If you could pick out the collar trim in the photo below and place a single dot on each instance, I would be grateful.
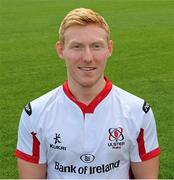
(93, 104)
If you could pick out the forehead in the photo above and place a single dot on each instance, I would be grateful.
(85, 33)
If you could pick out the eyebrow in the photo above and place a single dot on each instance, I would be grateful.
(79, 42)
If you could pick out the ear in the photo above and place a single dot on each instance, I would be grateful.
(59, 49)
(110, 47)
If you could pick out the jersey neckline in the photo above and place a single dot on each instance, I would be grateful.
(93, 104)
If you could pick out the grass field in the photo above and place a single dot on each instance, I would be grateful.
(142, 62)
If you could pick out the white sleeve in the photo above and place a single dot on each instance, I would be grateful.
(30, 146)
(146, 146)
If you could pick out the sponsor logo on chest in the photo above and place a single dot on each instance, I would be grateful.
(87, 158)
(102, 168)
(116, 138)
(57, 143)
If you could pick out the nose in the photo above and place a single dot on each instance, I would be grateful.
(87, 55)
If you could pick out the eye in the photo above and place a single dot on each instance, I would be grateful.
(76, 46)
(97, 46)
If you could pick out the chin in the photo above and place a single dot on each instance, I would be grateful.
(87, 83)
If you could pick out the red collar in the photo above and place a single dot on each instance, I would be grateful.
(93, 104)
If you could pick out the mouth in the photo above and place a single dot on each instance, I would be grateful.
(87, 68)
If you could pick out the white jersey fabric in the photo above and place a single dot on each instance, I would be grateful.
(94, 141)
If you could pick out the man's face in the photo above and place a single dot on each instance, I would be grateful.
(85, 52)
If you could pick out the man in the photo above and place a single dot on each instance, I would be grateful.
(88, 127)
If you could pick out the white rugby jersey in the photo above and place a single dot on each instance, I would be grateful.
(94, 141)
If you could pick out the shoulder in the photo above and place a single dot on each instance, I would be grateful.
(36, 107)
(136, 112)
(131, 102)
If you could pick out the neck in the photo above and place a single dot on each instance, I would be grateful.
(86, 94)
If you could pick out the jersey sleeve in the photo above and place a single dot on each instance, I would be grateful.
(146, 146)
(30, 146)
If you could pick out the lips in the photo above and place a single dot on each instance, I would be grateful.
(87, 68)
